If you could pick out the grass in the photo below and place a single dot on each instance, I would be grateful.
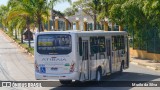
(29, 49)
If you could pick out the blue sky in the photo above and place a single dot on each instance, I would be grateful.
(60, 6)
(4, 2)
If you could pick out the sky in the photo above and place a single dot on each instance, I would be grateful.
(60, 6)
(4, 2)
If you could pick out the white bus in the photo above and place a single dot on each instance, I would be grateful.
(80, 55)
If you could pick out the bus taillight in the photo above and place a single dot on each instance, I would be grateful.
(36, 67)
(72, 67)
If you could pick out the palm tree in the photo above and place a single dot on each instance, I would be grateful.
(20, 10)
(3, 14)
(51, 5)
(31, 10)
(90, 8)
(21, 26)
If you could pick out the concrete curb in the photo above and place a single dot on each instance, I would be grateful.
(30, 54)
(147, 66)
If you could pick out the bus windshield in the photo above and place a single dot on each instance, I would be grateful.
(54, 44)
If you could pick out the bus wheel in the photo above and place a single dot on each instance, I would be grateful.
(65, 81)
(121, 68)
(77, 82)
(98, 75)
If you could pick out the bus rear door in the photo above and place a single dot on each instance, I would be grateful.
(85, 59)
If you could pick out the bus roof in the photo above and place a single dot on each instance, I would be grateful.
(83, 32)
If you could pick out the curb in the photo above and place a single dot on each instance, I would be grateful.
(18, 44)
(147, 66)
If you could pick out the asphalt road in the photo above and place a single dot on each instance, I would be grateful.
(17, 65)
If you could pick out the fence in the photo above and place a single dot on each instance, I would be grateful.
(147, 39)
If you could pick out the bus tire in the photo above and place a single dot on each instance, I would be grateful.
(65, 82)
(121, 68)
(98, 75)
(78, 82)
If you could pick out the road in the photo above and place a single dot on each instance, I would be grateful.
(17, 65)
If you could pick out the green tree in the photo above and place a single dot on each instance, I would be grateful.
(31, 10)
(21, 10)
(3, 14)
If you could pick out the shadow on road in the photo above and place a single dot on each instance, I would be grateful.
(115, 80)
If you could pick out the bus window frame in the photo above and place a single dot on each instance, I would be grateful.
(80, 46)
(53, 53)
(94, 44)
(99, 45)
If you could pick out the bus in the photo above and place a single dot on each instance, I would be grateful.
(80, 55)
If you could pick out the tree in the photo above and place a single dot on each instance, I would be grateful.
(70, 11)
(51, 5)
(116, 13)
(152, 9)
(88, 7)
(34, 11)
(3, 14)
(21, 10)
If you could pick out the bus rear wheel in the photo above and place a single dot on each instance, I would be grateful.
(65, 82)
(98, 75)
(121, 68)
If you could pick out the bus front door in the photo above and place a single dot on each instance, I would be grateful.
(85, 59)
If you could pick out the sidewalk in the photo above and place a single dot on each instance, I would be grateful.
(25, 50)
(146, 63)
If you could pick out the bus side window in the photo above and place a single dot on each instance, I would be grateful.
(108, 47)
(101, 44)
(94, 45)
(116, 44)
(122, 42)
(80, 46)
(122, 45)
(113, 43)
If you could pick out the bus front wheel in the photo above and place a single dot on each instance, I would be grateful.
(65, 82)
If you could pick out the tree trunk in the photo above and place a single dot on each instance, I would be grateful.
(28, 30)
(39, 24)
(112, 27)
(11, 31)
(49, 25)
(42, 26)
(15, 33)
(95, 19)
(22, 35)
(2, 26)
(22, 30)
